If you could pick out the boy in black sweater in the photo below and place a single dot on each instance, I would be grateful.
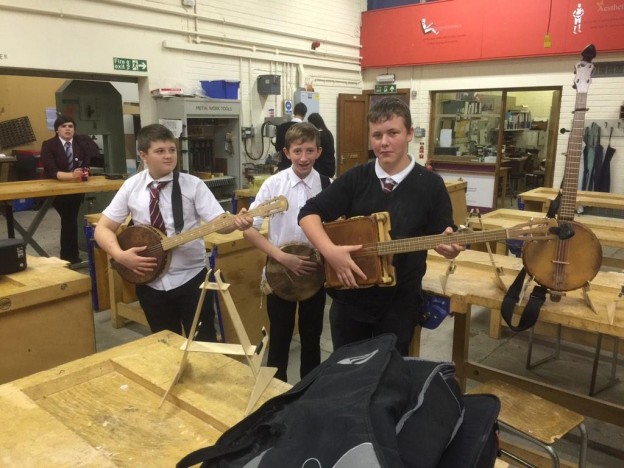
(419, 205)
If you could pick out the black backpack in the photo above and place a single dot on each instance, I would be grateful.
(365, 406)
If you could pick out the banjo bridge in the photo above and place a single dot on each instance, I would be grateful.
(560, 262)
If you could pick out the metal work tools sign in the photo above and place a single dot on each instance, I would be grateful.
(129, 64)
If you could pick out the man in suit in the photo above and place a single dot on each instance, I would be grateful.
(299, 113)
(67, 157)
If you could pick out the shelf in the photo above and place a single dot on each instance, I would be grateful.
(471, 116)
(219, 181)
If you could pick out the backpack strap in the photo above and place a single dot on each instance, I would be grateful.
(537, 298)
(531, 310)
(176, 204)
(325, 181)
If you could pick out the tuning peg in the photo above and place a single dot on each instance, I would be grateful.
(564, 130)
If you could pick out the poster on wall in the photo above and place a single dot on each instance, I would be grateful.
(479, 189)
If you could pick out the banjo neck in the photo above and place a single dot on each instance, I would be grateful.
(569, 185)
(539, 230)
(272, 206)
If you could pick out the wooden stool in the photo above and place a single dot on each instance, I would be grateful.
(535, 419)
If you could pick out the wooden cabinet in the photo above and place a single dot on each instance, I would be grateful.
(45, 318)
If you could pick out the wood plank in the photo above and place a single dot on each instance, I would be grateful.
(530, 414)
(51, 188)
(473, 279)
(102, 410)
(539, 199)
(607, 230)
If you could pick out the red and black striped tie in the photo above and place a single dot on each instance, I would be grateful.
(155, 215)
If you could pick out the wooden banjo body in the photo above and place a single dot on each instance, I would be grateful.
(138, 235)
(285, 284)
(159, 245)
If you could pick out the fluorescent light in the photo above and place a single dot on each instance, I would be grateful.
(385, 78)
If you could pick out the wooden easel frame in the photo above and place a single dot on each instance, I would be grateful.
(253, 354)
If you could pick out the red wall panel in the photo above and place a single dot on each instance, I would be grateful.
(471, 30)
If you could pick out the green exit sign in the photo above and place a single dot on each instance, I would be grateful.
(385, 89)
(129, 64)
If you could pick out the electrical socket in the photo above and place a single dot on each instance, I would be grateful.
(247, 132)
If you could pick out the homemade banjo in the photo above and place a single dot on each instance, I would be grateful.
(572, 259)
(159, 245)
(374, 258)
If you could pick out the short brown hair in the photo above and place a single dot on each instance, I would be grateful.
(151, 133)
(389, 107)
(302, 132)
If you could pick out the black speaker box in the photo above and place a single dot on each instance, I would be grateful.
(12, 256)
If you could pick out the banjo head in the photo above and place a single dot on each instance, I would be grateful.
(288, 286)
(139, 235)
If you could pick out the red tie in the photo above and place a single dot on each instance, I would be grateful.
(155, 216)
(388, 184)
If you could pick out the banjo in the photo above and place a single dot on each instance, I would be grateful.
(374, 258)
(159, 245)
(572, 259)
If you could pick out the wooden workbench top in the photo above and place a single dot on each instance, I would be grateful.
(51, 187)
(607, 230)
(583, 198)
(473, 283)
(102, 410)
(45, 279)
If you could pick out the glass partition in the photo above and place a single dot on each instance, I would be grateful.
(466, 123)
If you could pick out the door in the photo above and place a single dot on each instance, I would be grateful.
(352, 145)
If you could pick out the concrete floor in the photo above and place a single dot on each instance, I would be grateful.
(571, 371)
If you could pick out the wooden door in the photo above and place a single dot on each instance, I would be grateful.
(352, 145)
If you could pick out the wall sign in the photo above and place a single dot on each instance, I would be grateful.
(129, 64)
(385, 89)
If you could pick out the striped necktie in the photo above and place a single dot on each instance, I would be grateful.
(70, 155)
(156, 218)
(388, 184)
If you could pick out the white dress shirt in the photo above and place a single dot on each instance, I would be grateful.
(198, 203)
(283, 227)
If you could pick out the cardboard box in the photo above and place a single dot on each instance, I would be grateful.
(166, 92)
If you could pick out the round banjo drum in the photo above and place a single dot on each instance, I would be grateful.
(288, 286)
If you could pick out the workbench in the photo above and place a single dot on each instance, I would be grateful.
(48, 189)
(539, 199)
(607, 230)
(45, 318)
(102, 410)
(472, 284)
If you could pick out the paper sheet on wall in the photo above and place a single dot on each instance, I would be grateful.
(174, 125)
(446, 137)
(51, 116)
(479, 190)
